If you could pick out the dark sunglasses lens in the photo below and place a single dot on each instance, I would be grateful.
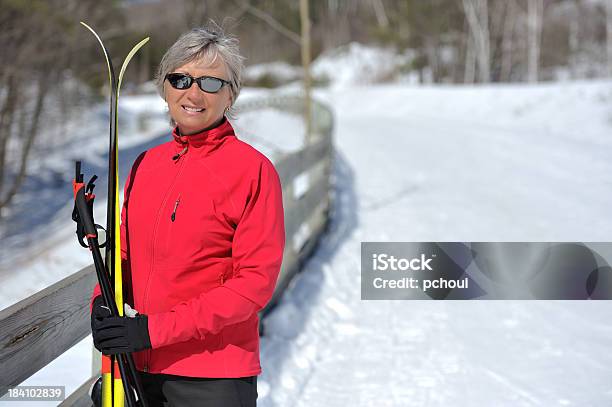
(179, 81)
(210, 85)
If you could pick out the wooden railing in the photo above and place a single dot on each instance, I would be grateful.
(40, 328)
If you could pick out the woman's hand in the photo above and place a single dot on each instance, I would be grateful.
(98, 311)
(114, 335)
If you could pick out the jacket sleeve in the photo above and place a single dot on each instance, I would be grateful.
(257, 253)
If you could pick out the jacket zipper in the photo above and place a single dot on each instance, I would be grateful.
(176, 177)
(179, 155)
(176, 204)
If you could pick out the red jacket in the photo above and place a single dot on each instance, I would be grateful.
(202, 239)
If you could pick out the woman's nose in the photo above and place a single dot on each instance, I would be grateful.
(195, 92)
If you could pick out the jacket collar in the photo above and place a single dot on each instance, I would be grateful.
(204, 142)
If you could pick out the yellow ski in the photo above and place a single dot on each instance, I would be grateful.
(116, 369)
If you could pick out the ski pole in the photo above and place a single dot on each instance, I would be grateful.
(127, 368)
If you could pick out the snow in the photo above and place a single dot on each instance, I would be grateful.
(279, 72)
(356, 64)
(492, 163)
(435, 163)
(451, 164)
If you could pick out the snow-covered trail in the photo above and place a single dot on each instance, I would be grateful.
(444, 171)
(405, 173)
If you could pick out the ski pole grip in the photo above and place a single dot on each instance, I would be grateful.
(80, 203)
(84, 214)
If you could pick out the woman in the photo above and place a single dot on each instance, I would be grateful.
(202, 239)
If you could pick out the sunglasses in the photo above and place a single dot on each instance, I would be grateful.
(208, 84)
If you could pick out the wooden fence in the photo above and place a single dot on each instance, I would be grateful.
(40, 328)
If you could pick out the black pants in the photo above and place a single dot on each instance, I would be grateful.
(180, 391)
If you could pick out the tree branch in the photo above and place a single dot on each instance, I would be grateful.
(272, 22)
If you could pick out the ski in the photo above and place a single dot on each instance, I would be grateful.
(109, 272)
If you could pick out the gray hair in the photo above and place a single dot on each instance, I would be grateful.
(204, 43)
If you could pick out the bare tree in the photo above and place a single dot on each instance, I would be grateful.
(21, 55)
(573, 40)
(477, 15)
(469, 72)
(270, 21)
(508, 40)
(381, 14)
(535, 9)
(36, 42)
(609, 35)
(306, 55)
(27, 128)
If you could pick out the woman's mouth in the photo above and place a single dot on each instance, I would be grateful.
(192, 109)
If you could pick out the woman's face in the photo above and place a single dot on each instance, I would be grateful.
(192, 109)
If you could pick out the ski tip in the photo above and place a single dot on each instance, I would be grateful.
(129, 56)
(143, 42)
(90, 29)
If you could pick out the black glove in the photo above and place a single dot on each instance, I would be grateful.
(114, 335)
(98, 311)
